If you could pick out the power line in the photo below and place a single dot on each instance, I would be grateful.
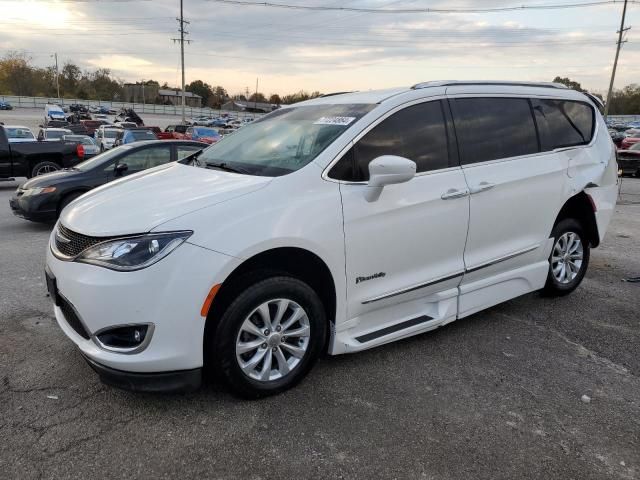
(288, 6)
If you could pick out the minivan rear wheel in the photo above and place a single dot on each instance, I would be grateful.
(569, 258)
(269, 337)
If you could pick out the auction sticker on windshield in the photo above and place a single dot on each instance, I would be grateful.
(334, 121)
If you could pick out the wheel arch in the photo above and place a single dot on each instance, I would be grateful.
(581, 208)
(294, 261)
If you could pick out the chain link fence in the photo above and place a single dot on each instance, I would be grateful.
(140, 108)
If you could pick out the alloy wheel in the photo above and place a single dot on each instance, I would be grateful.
(567, 258)
(273, 340)
(46, 169)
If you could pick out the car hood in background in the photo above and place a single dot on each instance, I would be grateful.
(48, 179)
(141, 202)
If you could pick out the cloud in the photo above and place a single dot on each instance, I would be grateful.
(326, 51)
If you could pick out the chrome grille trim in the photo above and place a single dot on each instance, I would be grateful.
(67, 244)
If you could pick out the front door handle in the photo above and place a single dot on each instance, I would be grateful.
(482, 187)
(453, 193)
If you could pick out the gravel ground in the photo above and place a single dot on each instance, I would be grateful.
(494, 396)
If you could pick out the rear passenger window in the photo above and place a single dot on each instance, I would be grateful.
(418, 133)
(494, 128)
(563, 123)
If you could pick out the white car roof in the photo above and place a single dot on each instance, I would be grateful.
(16, 126)
(426, 89)
(56, 129)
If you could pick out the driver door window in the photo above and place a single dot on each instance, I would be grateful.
(146, 158)
(418, 132)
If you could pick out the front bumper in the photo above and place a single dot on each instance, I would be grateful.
(33, 208)
(168, 294)
(167, 382)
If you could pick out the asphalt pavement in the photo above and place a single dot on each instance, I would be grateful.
(535, 388)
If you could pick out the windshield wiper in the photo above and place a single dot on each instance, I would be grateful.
(226, 167)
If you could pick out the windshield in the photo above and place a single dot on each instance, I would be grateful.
(142, 135)
(110, 133)
(101, 159)
(55, 134)
(206, 132)
(285, 140)
(83, 139)
(635, 146)
(18, 132)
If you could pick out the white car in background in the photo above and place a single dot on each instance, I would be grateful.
(19, 133)
(53, 112)
(53, 134)
(105, 136)
(333, 225)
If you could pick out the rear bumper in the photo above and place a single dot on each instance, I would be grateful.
(179, 381)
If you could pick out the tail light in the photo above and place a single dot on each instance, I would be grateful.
(80, 150)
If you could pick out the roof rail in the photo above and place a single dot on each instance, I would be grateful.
(333, 94)
(452, 83)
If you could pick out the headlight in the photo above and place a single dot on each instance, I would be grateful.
(37, 191)
(133, 253)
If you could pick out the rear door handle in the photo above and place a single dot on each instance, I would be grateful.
(453, 193)
(482, 187)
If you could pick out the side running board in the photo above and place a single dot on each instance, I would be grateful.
(394, 328)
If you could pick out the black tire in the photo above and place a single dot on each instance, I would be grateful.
(554, 287)
(222, 347)
(67, 199)
(44, 167)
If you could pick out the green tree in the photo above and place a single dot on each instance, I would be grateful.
(257, 97)
(70, 77)
(275, 99)
(200, 88)
(218, 98)
(569, 83)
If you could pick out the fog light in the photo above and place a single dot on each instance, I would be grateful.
(125, 338)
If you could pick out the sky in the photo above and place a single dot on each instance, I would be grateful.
(289, 50)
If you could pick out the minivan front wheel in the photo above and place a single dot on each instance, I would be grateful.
(569, 258)
(269, 337)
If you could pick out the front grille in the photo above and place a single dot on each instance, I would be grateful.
(72, 318)
(76, 241)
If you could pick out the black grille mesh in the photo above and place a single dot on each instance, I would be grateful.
(72, 318)
(77, 242)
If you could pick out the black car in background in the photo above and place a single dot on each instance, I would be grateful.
(42, 199)
(29, 159)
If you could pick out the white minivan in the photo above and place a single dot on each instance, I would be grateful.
(333, 225)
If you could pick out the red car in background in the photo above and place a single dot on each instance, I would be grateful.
(177, 132)
(631, 138)
(203, 134)
(160, 134)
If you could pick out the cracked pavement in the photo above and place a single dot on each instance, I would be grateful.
(493, 396)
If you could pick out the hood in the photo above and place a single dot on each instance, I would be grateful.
(143, 201)
(48, 179)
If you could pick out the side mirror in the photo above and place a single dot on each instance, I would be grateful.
(120, 169)
(388, 170)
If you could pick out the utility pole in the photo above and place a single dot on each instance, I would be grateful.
(615, 62)
(57, 75)
(143, 95)
(255, 99)
(182, 21)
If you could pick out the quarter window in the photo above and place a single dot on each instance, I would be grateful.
(418, 133)
(494, 128)
(563, 123)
